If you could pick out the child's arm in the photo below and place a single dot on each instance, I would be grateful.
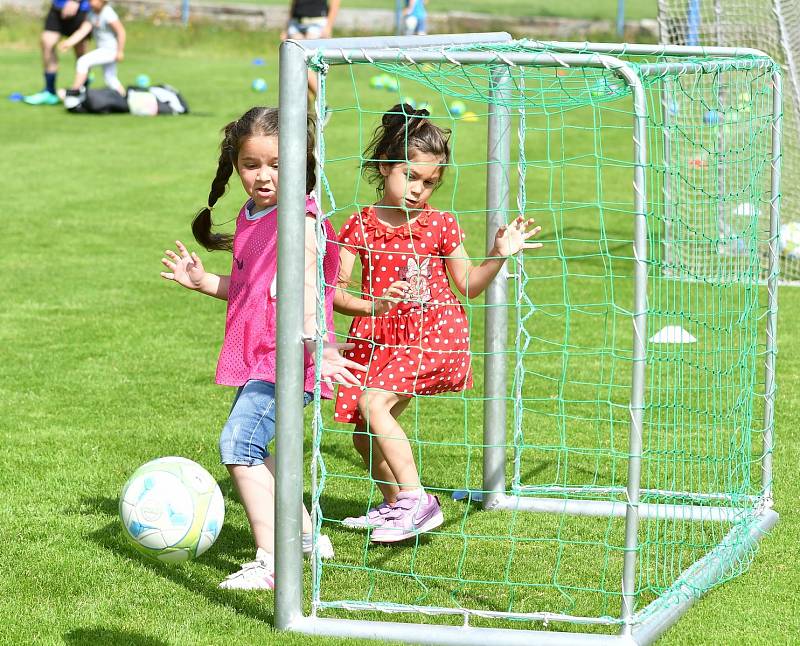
(187, 270)
(334, 366)
(80, 33)
(510, 239)
(346, 303)
(119, 30)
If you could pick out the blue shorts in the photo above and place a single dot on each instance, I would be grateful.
(251, 424)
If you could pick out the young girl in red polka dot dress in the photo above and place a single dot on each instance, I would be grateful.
(409, 328)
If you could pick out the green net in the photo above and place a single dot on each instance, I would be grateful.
(570, 339)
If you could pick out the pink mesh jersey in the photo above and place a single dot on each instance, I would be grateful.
(248, 351)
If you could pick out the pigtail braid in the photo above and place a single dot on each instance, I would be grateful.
(202, 223)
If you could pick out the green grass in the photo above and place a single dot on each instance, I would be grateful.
(105, 366)
(581, 9)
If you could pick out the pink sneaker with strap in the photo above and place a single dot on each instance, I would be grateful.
(414, 512)
(375, 517)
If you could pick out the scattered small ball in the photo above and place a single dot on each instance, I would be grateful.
(409, 101)
(673, 108)
(424, 105)
(259, 85)
(377, 82)
(258, 61)
(470, 117)
(790, 240)
(391, 83)
(142, 80)
(172, 509)
(16, 97)
(698, 162)
(712, 118)
(457, 108)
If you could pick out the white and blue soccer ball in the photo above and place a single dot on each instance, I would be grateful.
(172, 509)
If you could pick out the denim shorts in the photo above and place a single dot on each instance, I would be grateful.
(251, 424)
(309, 28)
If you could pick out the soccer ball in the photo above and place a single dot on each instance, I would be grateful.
(171, 509)
(259, 85)
(790, 240)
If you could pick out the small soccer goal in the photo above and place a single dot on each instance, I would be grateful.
(613, 461)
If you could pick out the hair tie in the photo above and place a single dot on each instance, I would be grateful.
(209, 207)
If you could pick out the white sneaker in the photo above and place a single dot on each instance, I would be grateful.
(324, 546)
(256, 575)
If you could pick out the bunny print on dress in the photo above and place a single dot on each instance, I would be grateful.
(417, 276)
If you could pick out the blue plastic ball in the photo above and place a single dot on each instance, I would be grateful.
(457, 108)
(712, 118)
(259, 85)
(142, 80)
(258, 61)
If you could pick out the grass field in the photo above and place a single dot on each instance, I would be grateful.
(603, 10)
(104, 367)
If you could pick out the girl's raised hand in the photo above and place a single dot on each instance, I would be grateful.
(336, 368)
(511, 238)
(395, 293)
(185, 269)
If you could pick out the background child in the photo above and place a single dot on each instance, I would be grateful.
(410, 329)
(109, 36)
(415, 18)
(247, 358)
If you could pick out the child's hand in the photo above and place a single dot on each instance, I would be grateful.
(395, 293)
(510, 238)
(186, 269)
(336, 368)
(120, 56)
(63, 46)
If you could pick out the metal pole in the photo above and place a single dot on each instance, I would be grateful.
(185, 13)
(772, 287)
(620, 18)
(398, 17)
(496, 316)
(639, 347)
(289, 378)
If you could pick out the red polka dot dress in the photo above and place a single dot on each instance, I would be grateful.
(421, 346)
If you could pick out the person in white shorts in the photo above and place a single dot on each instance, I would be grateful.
(309, 20)
(109, 36)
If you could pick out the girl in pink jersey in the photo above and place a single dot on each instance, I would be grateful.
(247, 358)
(409, 329)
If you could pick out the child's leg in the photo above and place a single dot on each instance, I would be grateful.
(256, 487)
(110, 76)
(376, 406)
(269, 461)
(374, 459)
(89, 60)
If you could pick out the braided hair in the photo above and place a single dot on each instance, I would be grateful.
(403, 129)
(258, 121)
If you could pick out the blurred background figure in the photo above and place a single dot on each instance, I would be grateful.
(415, 18)
(310, 19)
(109, 36)
(63, 19)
